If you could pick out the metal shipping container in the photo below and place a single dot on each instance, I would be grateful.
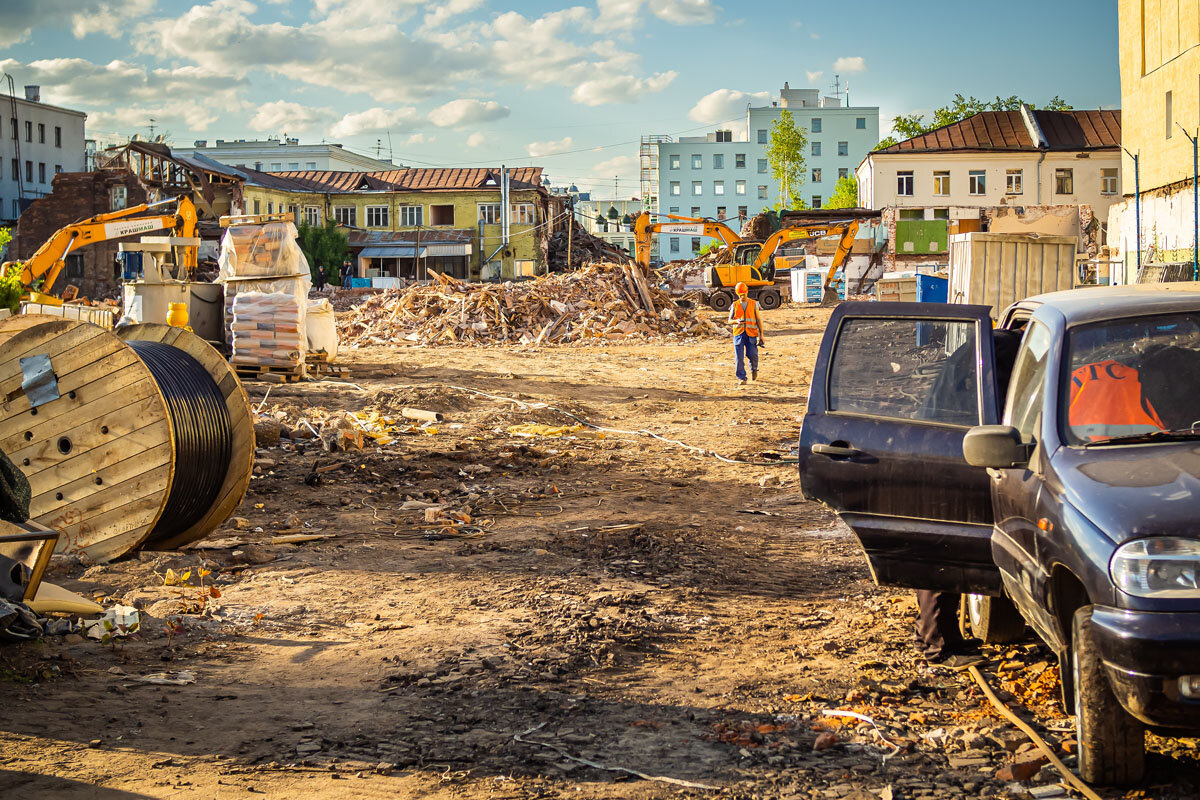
(998, 269)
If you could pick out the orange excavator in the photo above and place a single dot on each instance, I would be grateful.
(44, 266)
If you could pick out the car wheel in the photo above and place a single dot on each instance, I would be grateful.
(720, 301)
(994, 620)
(1112, 744)
(769, 300)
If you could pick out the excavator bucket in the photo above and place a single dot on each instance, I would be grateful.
(830, 297)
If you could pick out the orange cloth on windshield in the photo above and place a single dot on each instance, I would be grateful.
(1107, 401)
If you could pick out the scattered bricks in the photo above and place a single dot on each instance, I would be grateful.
(267, 433)
(1022, 770)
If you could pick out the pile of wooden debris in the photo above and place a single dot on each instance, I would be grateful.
(602, 301)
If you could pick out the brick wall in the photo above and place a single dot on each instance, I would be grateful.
(75, 196)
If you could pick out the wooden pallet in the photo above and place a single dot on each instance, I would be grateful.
(319, 364)
(253, 372)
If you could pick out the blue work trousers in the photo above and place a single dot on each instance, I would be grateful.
(745, 347)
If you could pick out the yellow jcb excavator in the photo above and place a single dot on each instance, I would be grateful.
(43, 267)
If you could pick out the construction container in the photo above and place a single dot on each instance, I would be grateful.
(998, 269)
(807, 283)
(912, 289)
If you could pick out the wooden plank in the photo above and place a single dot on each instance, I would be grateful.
(125, 430)
(91, 403)
(133, 445)
(109, 365)
(108, 535)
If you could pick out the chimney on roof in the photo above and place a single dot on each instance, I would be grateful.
(33, 93)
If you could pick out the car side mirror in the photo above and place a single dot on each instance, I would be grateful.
(995, 446)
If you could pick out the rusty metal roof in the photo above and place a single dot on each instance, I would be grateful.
(408, 180)
(1005, 131)
(360, 238)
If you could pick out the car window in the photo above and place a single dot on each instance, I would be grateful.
(1027, 387)
(906, 368)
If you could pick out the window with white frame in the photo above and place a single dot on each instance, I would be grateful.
(345, 215)
(1108, 180)
(413, 216)
(118, 198)
(312, 215)
(489, 213)
(977, 182)
(904, 183)
(762, 192)
(941, 182)
(1064, 181)
(1014, 180)
(697, 187)
(739, 187)
(718, 161)
(673, 161)
(675, 188)
(697, 161)
(718, 187)
(816, 175)
(378, 217)
(523, 213)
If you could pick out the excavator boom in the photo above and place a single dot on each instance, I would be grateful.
(645, 230)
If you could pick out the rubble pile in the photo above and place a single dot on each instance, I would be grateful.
(584, 247)
(757, 228)
(602, 301)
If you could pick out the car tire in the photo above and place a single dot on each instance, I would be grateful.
(994, 620)
(770, 299)
(1112, 744)
(720, 301)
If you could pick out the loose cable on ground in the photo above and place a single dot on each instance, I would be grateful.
(999, 705)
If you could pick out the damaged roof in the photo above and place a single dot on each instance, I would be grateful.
(360, 238)
(398, 180)
(1006, 131)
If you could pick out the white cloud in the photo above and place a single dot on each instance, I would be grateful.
(476, 139)
(621, 166)
(850, 64)
(284, 116)
(458, 113)
(620, 89)
(419, 138)
(539, 149)
(725, 104)
(376, 120)
(813, 77)
(18, 18)
(685, 12)
(449, 9)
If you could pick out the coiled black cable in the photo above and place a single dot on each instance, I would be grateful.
(203, 438)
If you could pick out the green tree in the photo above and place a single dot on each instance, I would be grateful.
(324, 246)
(785, 155)
(11, 287)
(845, 194)
(710, 247)
(909, 125)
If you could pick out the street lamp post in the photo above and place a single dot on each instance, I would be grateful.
(1137, 206)
(1195, 203)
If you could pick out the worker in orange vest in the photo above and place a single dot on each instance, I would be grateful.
(1107, 401)
(747, 333)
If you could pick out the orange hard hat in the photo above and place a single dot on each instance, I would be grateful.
(742, 288)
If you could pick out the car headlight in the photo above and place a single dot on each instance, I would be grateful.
(1159, 567)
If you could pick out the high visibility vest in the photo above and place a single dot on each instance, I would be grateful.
(1107, 401)
(745, 318)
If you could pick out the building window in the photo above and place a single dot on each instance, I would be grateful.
(816, 201)
(675, 188)
(697, 161)
(523, 214)
(257, 207)
(41, 133)
(904, 183)
(14, 127)
(75, 267)
(41, 172)
(695, 244)
(720, 212)
(816, 148)
(294, 210)
(816, 125)
(270, 208)
(413, 216)
(697, 187)
(1108, 181)
(29, 172)
(378, 216)
(739, 161)
(293, 166)
(1064, 181)
(860, 123)
(941, 213)
(674, 161)
(762, 166)
(311, 165)
(673, 210)
(674, 244)
(843, 172)
(276, 166)
(1168, 115)
(739, 187)
(489, 213)
(843, 148)
(29, 129)
(816, 175)
(312, 215)
(1013, 181)
(343, 215)
(118, 198)
(977, 182)
(16, 170)
(57, 136)
(718, 187)
(695, 211)
(441, 215)
(941, 182)
(762, 135)
(57, 168)
(718, 161)
(762, 192)
(743, 212)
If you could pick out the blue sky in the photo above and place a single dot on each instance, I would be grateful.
(570, 88)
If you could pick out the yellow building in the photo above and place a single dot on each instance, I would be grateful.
(402, 222)
(1160, 105)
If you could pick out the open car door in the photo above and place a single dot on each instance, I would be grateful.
(895, 388)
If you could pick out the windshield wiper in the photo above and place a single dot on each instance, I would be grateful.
(1181, 435)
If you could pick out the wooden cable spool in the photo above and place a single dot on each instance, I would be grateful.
(102, 459)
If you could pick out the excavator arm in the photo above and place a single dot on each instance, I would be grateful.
(829, 295)
(645, 230)
(49, 260)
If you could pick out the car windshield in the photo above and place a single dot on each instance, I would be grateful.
(1133, 380)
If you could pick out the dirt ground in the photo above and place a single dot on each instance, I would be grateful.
(615, 600)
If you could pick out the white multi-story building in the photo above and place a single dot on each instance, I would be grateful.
(725, 174)
(38, 141)
(284, 155)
